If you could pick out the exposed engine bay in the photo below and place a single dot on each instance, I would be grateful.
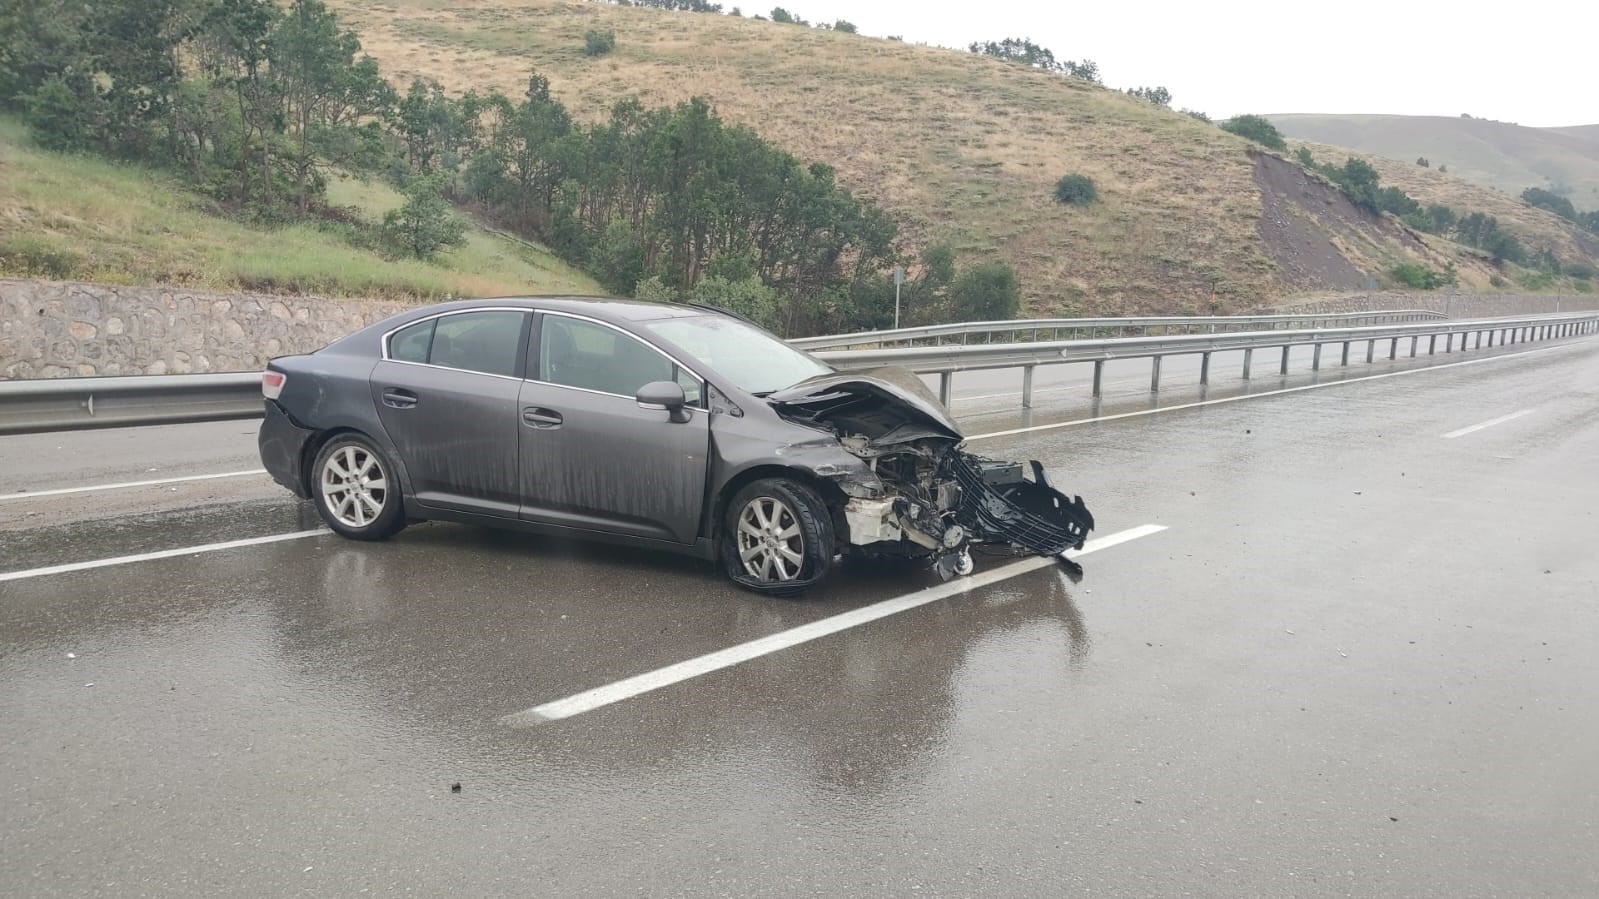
(930, 498)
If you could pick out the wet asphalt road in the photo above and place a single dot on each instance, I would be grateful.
(1361, 660)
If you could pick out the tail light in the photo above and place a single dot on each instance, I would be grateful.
(272, 384)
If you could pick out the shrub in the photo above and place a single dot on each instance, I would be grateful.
(424, 225)
(615, 258)
(846, 27)
(1076, 190)
(1417, 276)
(1305, 158)
(1544, 199)
(985, 293)
(1257, 129)
(1582, 271)
(597, 42)
(1422, 161)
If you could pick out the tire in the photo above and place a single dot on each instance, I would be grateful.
(356, 490)
(777, 538)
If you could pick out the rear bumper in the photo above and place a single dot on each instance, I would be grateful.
(283, 446)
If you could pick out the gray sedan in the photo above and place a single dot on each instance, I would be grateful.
(676, 427)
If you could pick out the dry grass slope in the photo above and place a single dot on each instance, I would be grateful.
(1509, 158)
(1534, 227)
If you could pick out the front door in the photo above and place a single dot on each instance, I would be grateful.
(591, 457)
(447, 397)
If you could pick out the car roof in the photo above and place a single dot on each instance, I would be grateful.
(604, 308)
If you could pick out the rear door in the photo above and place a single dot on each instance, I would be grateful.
(446, 393)
(592, 458)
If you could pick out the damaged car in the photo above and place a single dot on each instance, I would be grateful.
(668, 426)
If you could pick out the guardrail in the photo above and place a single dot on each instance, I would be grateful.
(946, 360)
(967, 333)
(60, 404)
(68, 404)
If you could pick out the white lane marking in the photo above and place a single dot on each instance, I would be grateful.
(29, 494)
(1488, 424)
(1262, 394)
(161, 554)
(627, 688)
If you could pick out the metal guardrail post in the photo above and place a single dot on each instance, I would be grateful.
(1099, 377)
(1284, 369)
(1027, 386)
(1371, 347)
(1344, 361)
(1413, 342)
(1315, 360)
(1204, 369)
(1393, 350)
(1249, 356)
(1154, 376)
(945, 379)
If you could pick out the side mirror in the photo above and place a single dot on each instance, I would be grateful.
(666, 395)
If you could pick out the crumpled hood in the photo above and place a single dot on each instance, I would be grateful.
(890, 383)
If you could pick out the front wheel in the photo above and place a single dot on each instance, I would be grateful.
(777, 538)
(357, 493)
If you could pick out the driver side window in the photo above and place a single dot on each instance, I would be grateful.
(577, 353)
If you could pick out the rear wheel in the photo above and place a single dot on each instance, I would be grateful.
(356, 491)
(777, 537)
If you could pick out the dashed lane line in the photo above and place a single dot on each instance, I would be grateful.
(155, 482)
(160, 554)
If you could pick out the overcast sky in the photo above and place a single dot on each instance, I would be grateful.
(1529, 62)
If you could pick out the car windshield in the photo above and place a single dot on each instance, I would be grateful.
(743, 354)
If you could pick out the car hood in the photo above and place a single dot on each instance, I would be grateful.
(896, 387)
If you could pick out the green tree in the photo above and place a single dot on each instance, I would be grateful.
(1258, 129)
(846, 27)
(985, 293)
(1076, 190)
(424, 225)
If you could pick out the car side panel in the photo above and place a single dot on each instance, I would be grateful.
(331, 392)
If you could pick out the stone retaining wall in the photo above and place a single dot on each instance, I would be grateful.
(53, 329)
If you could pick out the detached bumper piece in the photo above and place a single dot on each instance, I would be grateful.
(998, 504)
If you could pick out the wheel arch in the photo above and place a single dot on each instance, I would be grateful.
(313, 448)
(832, 495)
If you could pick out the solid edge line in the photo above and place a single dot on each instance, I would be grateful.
(30, 494)
(161, 554)
(1472, 429)
(1266, 393)
(627, 688)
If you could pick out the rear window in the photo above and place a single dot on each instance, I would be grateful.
(410, 344)
(478, 341)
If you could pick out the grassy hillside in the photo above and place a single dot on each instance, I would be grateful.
(80, 218)
(1509, 158)
(958, 148)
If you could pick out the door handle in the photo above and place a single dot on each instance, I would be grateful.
(541, 418)
(398, 398)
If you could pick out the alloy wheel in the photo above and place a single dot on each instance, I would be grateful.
(354, 486)
(770, 543)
